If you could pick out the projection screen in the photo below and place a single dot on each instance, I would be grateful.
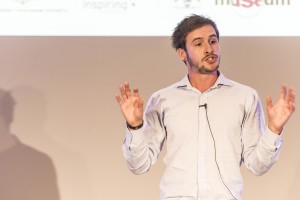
(144, 17)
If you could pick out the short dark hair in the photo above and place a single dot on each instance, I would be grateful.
(186, 26)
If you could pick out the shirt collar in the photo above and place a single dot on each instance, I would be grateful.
(222, 80)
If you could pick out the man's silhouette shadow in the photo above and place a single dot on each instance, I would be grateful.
(25, 173)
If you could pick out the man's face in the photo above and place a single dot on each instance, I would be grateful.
(202, 50)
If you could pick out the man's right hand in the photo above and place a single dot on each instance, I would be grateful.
(131, 105)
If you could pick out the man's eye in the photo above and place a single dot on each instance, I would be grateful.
(213, 41)
(198, 44)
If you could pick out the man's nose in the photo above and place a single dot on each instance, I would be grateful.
(208, 49)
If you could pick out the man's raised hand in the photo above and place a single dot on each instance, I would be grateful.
(131, 104)
(280, 112)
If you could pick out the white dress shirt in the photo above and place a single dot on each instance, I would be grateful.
(207, 135)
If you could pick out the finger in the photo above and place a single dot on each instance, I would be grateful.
(136, 92)
(269, 102)
(283, 92)
(127, 89)
(136, 103)
(122, 91)
(292, 107)
(118, 98)
(291, 95)
(291, 99)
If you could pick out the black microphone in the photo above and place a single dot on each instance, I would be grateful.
(204, 105)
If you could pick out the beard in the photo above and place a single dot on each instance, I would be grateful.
(201, 69)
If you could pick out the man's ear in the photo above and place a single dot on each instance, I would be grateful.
(182, 54)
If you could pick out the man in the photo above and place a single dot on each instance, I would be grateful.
(210, 124)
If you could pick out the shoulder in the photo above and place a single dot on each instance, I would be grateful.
(242, 87)
(167, 91)
(164, 95)
(246, 94)
(234, 86)
(237, 90)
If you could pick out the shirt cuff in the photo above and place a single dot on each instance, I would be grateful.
(134, 138)
(271, 139)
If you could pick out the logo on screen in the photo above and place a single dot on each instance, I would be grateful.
(186, 3)
(108, 5)
(253, 3)
(251, 7)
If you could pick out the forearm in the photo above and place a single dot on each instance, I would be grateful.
(136, 152)
(260, 158)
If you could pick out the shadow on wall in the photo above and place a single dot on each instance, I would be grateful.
(25, 173)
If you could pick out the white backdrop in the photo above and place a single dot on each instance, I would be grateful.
(146, 18)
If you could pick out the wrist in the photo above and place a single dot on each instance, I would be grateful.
(135, 127)
(275, 130)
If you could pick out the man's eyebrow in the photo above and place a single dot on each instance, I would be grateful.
(200, 38)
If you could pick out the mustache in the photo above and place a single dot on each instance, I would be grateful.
(211, 55)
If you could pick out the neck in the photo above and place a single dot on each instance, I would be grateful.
(203, 82)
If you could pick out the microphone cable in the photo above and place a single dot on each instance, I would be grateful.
(211, 133)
